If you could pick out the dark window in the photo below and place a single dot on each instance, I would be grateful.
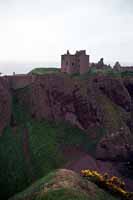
(72, 64)
(66, 63)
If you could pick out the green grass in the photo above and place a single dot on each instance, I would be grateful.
(94, 72)
(60, 194)
(36, 191)
(64, 194)
(36, 187)
(112, 119)
(104, 195)
(127, 74)
(14, 169)
(107, 72)
(91, 72)
(42, 71)
(45, 149)
(70, 135)
(69, 194)
(13, 173)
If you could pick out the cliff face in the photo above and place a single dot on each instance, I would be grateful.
(5, 104)
(62, 98)
(101, 106)
(58, 97)
(96, 102)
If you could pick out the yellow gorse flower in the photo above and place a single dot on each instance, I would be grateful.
(115, 184)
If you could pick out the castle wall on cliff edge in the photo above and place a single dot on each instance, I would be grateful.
(19, 81)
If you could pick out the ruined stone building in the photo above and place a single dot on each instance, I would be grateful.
(80, 63)
(77, 63)
(117, 67)
(100, 65)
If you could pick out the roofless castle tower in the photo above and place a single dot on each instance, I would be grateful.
(77, 63)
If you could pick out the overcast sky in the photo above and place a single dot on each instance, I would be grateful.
(41, 30)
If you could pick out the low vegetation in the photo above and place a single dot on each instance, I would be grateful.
(112, 184)
(42, 71)
(91, 72)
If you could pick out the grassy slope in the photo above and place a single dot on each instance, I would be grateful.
(44, 140)
(41, 71)
(91, 72)
(82, 191)
(64, 194)
(114, 116)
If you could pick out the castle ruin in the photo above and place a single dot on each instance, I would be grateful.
(77, 63)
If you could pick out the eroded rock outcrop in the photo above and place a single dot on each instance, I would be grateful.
(110, 149)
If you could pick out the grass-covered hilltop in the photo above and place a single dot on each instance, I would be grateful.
(53, 125)
(64, 185)
(42, 71)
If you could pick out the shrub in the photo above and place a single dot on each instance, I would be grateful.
(113, 184)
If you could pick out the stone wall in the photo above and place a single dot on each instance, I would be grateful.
(19, 81)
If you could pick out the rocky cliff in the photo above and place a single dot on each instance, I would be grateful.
(90, 104)
(99, 109)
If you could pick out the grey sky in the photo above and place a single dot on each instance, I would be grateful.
(41, 30)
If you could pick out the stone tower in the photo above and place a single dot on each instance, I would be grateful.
(77, 63)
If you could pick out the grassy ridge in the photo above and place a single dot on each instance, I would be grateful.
(56, 186)
(64, 194)
(35, 187)
(42, 71)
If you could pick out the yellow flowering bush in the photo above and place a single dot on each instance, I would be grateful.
(113, 184)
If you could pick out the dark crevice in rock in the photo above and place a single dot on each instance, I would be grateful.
(13, 122)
